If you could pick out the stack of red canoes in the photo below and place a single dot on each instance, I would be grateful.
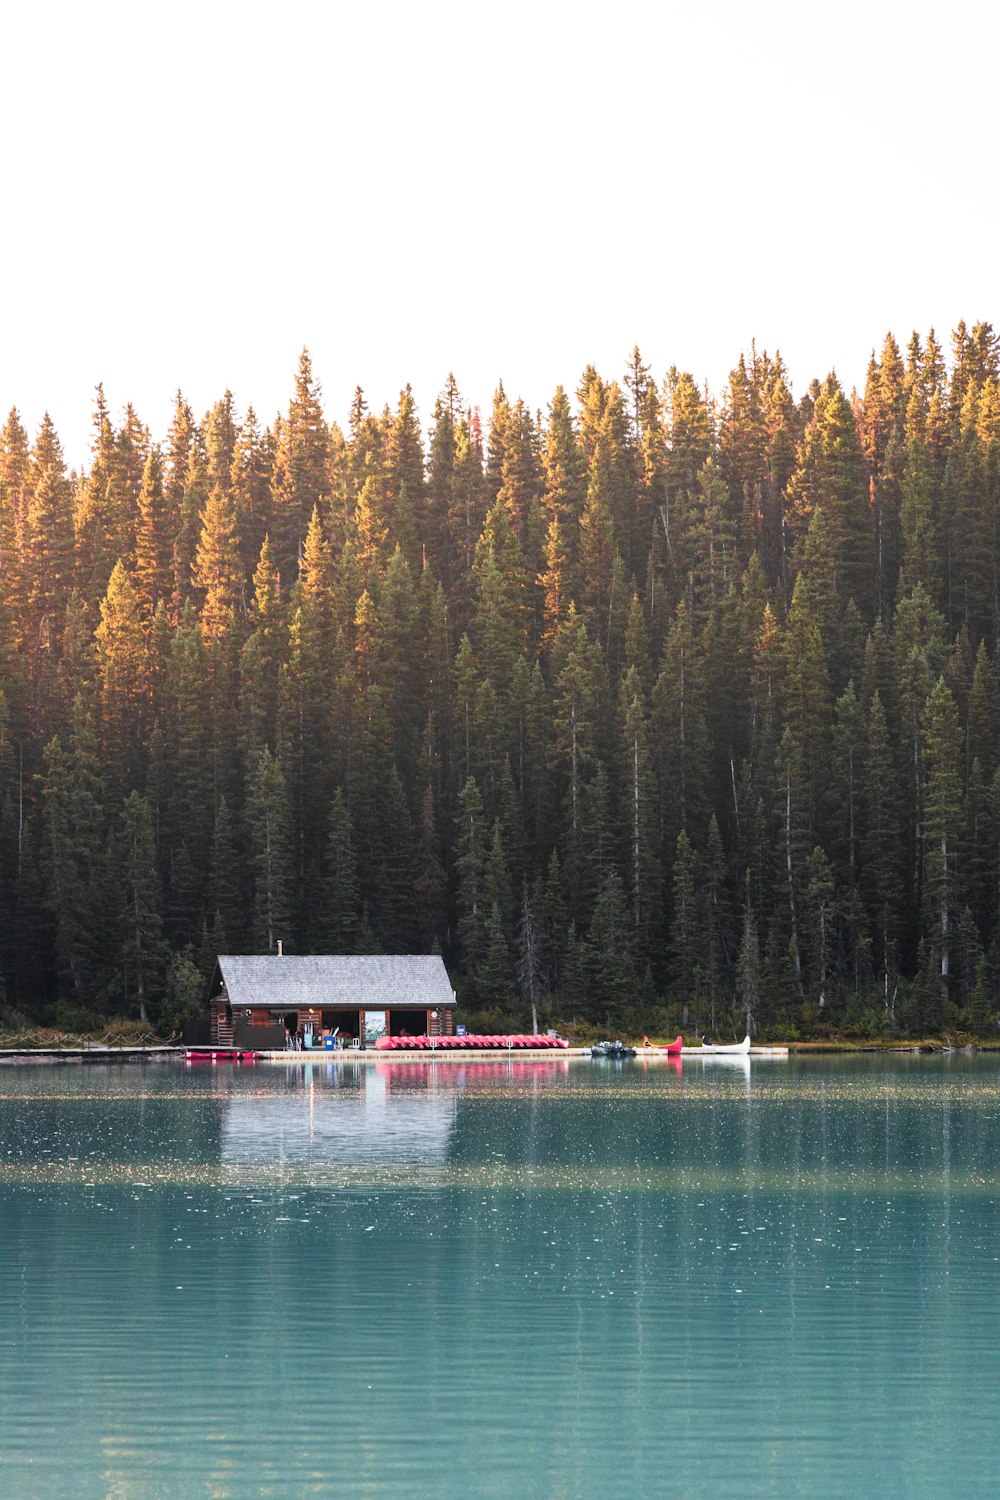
(218, 1054)
(478, 1043)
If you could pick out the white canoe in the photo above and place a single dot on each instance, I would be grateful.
(710, 1049)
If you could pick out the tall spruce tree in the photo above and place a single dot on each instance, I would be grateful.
(270, 858)
(942, 737)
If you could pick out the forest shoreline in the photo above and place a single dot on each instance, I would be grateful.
(660, 706)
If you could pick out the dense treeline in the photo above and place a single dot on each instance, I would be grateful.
(651, 700)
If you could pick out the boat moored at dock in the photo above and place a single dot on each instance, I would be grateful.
(716, 1049)
(669, 1049)
(612, 1050)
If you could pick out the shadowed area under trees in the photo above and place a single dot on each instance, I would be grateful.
(652, 708)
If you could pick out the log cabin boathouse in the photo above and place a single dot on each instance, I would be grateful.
(257, 1001)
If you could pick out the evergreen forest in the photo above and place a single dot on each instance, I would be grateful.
(657, 708)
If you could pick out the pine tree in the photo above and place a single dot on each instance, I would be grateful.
(806, 717)
(194, 494)
(647, 449)
(263, 655)
(685, 938)
(15, 486)
(217, 570)
(716, 917)
(919, 657)
(520, 477)
(250, 486)
(121, 645)
(48, 570)
(831, 476)
(555, 583)
(610, 964)
(680, 735)
(153, 538)
(743, 453)
(73, 800)
(469, 857)
(141, 952)
(370, 532)
(564, 467)
(221, 434)
(431, 886)
(980, 738)
(226, 896)
(599, 560)
(577, 692)
(270, 858)
(691, 437)
(494, 981)
(100, 520)
(499, 625)
(639, 809)
(918, 504)
(340, 932)
(880, 849)
(300, 479)
(748, 969)
(303, 715)
(820, 913)
(187, 798)
(529, 963)
(943, 805)
(391, 891)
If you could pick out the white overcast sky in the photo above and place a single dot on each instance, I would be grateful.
(191, 192)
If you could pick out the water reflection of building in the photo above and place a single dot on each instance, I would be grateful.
(335, 1116)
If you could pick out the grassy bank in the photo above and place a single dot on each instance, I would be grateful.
(113, 1034)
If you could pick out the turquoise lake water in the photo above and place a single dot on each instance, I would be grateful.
(558, 1279)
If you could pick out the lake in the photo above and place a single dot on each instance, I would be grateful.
(557, 1279)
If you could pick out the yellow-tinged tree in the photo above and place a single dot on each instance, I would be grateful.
(122, 655)
(555, 583)
(831, 475)
(48, 575)
(300, 476)
(262, 655)
(370, 540)
(153, 539)
(217, 571)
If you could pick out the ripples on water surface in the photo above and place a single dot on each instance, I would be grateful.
(556, 1279)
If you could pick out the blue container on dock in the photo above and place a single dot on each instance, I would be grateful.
(329, 1043)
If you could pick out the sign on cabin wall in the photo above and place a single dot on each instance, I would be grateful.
(374, 1025)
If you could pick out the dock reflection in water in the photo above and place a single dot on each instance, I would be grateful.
(500, 1278)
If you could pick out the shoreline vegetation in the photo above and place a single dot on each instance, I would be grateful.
(136, 1035)
(658, 710)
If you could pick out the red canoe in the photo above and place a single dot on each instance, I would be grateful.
(672, 1049)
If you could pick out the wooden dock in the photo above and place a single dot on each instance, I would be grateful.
(228, 1056)
(96, 1053)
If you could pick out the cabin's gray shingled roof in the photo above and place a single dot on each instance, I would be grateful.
(366, 981)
